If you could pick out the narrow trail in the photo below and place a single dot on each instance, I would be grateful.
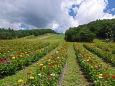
(73, 76)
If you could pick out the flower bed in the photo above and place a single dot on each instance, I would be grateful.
(108, 56)
(19, 60)
(47, 73)
(98, 71)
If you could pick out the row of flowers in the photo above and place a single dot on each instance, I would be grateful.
(106, 55)
(110, 47)
(10, 66)
(48, 71)
(101, 73)
(16, 48)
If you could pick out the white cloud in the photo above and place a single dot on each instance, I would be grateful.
(51, 13)
(113, 9)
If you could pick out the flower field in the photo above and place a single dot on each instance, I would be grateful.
(49, 60)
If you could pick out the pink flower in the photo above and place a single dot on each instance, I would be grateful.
(41, 80)
(28, 73)
(51, 69)
(48, 77)
(8, 61)
(3, 60)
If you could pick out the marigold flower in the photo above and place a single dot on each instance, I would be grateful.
(20, 81)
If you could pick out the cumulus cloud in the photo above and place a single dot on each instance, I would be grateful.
(51, 13)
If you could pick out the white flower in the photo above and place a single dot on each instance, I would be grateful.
(52, 74)
(57, 51)
(100, 77)
(39, 74)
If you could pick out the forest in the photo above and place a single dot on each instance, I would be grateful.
(12, 34)
(100, 29)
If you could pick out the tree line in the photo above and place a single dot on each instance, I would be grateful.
(101, 29)
(12, 34)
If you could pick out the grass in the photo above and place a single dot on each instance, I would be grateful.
(31, 37)
(73, 76)
(11, 80)
(97, 40)
(56, 38)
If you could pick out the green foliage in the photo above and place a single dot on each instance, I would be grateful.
(11, 34)
(100, 29)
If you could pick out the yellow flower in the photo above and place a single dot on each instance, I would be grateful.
(91, 66)
(42, 59)
(100, 74)
(95, 66)
(44, 66)
(21, 55)
(31, 77)
(101, 63)
(20, 81)
(13, 57)
(97, 75)
(41, 64)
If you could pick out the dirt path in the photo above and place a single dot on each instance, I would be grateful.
(44, 37)
(73, 76)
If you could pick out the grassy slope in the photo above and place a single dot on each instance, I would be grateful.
(56, 38)
(73, 76)
(32, 37)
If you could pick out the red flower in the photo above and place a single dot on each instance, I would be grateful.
(113, 76)
(18, 56)
(106, 76)
(40, 68)
(50, 64)
(106, 68)
(54, 62)
(0, 61)
(28, 73)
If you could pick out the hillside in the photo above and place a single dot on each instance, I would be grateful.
(101, 29)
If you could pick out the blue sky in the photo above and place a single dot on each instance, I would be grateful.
(58, 15)
(110, 6)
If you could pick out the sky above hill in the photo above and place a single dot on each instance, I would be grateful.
(58, 15)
